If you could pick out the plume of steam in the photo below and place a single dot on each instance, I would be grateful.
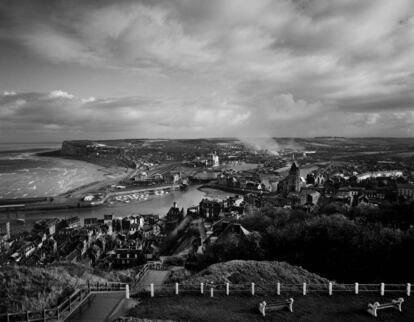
(271, 145)
(261, 144)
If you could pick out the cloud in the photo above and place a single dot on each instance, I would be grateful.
(9, 93)
(60, 94)
(32, 116)
(88, 100)
(228, 67)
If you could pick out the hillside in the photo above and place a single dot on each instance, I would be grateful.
(33, 288)
(238, 271)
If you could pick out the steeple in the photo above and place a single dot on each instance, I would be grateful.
(294, 169)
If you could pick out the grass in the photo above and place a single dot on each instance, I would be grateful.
(35, 288)
(314, 308)
(266, 272)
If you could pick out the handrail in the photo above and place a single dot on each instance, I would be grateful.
(67, 307)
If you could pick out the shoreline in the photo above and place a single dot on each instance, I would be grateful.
(231, 189)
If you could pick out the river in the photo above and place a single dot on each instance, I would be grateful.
(155, 205)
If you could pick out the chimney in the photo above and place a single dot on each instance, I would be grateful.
(175, 204)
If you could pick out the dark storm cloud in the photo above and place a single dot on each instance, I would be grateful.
(221, 66)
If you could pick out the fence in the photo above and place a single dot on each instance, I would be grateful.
(212, 289)
(68, 306)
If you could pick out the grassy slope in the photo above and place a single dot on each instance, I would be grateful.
(33, 288)
(240, 307)
(238, 271)
(311, 308)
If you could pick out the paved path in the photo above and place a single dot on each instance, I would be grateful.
(109, 305)
(101, 306)
(152, 276)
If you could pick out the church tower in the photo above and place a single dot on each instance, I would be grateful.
(293, 180)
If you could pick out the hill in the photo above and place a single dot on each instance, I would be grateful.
(238, 271)
(32, 288)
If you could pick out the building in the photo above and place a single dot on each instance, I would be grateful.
(173, 217)
(174, 177)
(405, 190)
(47, 226)
(5, 230)
(379, 174)
(309, 197)
(90, 221)
(108, 219)
(213, 160)
(292, 183)
(210, 209)
(126, 257)
(72, 222)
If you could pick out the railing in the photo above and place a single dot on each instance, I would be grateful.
(279, 288)
(106, 287)
(149, 266)
(68, 306)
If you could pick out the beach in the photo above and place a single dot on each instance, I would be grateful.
(24, 174)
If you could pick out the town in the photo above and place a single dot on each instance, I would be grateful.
(257, 178)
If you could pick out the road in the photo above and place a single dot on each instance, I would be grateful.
(99, 309)
(152, 277)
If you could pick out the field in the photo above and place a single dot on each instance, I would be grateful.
(245, 308)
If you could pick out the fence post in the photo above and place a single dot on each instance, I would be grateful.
(304, 288)
(356, 288)
(70, 304)
(278, 288)
(202, 288)
(211, 292)
(58, 315)
(176, 288)
(382, 289)
(44, 315)
(227, 289)
(330, 288)
(27, 316)
(127, 291)
(253, 288)
(8, 317)
(152, 290)
(408, 289)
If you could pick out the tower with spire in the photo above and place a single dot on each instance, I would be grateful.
(293, 179)
(292, 183)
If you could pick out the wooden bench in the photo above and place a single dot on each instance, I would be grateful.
(396, 304)
(275, 306)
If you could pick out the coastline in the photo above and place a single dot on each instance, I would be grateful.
(49, 175)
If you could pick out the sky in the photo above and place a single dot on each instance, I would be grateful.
(105, 69)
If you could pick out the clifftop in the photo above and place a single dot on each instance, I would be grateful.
(239, 271)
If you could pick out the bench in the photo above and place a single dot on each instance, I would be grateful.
(396, 304)
(275, 306)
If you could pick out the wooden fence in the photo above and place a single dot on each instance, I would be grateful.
(68, 306)
(331, 288)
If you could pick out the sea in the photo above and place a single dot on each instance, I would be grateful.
(24, 174)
